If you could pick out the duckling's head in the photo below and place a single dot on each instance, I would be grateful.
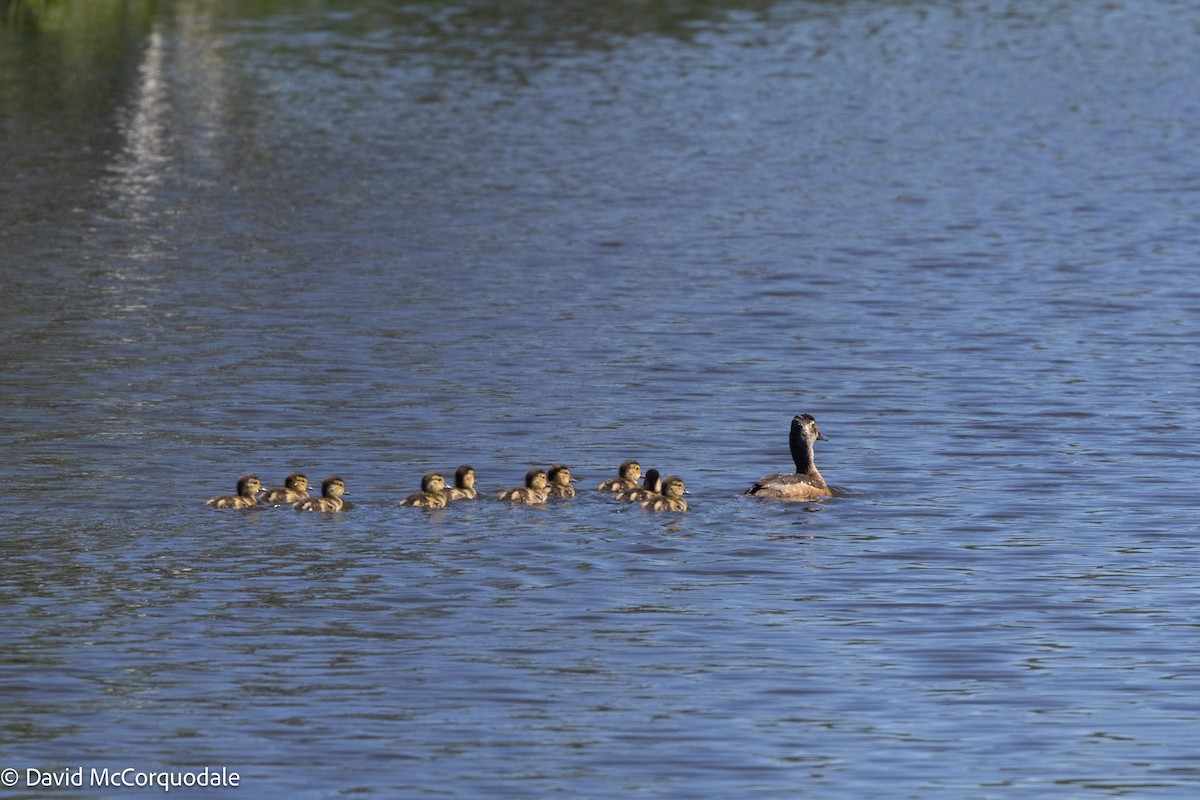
(333, 487)
(433, 482)
(804, 429)
(560, 475)
(673, 487)
(652, 481)
(630, 470)
(247, 485)
(536, 479)
(464, 477)
(296, 482)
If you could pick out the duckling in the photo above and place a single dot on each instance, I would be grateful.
(672, 497)
(248, 487)
(651, 488)
(295, 488)
(560, 481)
(627, 478)
(432, 494)
(806, 482)
(535, 491)
(464, 485)
(332, 490)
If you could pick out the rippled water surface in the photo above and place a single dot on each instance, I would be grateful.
(375, 239)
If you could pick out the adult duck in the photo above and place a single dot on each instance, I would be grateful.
(806, 482)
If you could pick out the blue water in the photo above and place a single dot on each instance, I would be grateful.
(374, 239)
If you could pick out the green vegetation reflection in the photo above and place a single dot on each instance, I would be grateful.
(76, 17)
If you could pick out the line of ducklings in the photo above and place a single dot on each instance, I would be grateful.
(654, 493)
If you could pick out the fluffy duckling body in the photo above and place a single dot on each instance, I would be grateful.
(672, 498)
(535, 491)
(464, 485)
(432, 494)
(627, 478)
(294, 489)
(332, 489)
(806, 482)
(560, 481)
(651, 488)
(248, 487)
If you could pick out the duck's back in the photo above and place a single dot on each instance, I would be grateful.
(791, 486)
(425, 500)
(616, 485)
(282, 496)
(231, 501)
(524, 495)
(635, 494)
(665, 504)
(322, 504)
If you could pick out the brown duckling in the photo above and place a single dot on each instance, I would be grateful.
(248, 487)
(330, 500)
(464, 485)
(806, 482)
(672, 497)
(432, 495)
(627, 478)
(651, 488)
(535, 491)
(560, 480)
(295, 488)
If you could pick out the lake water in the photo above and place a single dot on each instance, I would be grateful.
(374, 239)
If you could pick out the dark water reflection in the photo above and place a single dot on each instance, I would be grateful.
(375, 239)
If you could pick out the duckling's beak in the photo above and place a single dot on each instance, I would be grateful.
(822, 437)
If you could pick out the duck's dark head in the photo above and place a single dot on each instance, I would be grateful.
(464, 477)
(804, 426)
(560, 475)
(433, 482)
(247, 485)
(652, 481)
(536, 479)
